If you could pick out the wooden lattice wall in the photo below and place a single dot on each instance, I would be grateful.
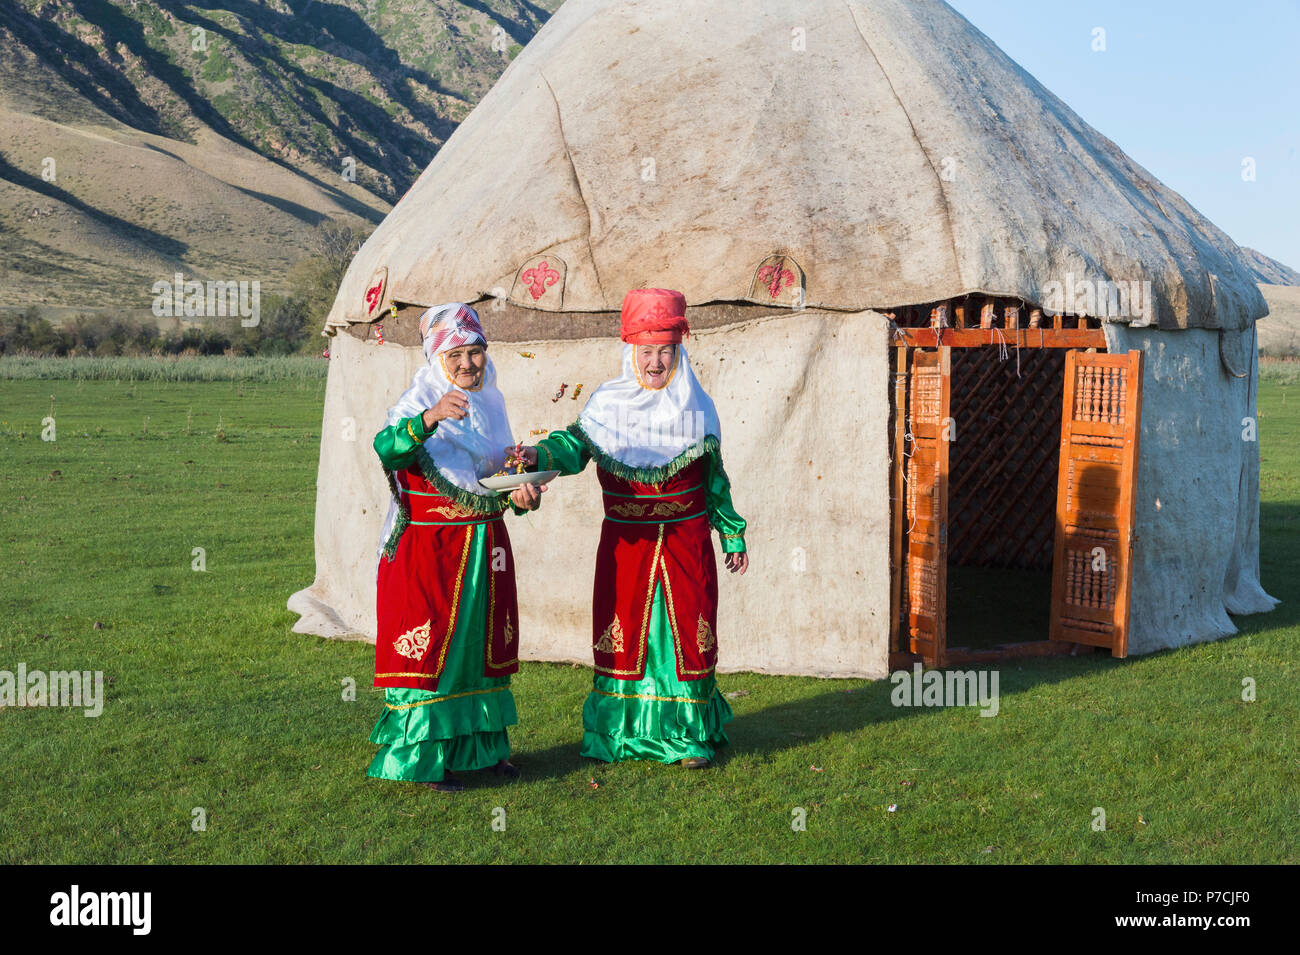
(1004, 461)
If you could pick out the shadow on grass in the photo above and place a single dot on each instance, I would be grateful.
(1279, 567)
(846, 706)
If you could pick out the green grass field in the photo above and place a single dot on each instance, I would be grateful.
(213, 703)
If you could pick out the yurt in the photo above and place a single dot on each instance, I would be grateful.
(967, 354)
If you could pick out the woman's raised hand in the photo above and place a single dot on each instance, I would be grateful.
(527, 454)
(451, 405)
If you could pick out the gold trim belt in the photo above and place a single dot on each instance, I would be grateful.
(658, 508)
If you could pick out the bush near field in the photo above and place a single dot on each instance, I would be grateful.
(281, 330)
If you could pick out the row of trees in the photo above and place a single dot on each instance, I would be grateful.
(282, 330)
(287, 324)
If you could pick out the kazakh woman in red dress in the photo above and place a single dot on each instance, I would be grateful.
(654, 435)
(448, 623)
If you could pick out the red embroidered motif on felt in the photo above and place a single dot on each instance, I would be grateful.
(539, 278)
(775, 279)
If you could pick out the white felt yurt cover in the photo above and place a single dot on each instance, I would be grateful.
(882, 154)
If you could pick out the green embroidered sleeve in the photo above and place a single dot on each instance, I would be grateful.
(562, 451)
(722, 514)
(396, 445)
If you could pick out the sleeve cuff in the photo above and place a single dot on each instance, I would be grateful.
(543, 451)
(732, 543)
(415, 428)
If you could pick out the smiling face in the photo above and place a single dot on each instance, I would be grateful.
(464, 366)
(654, 364)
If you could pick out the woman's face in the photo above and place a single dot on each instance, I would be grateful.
(654, 363)
(465, 366)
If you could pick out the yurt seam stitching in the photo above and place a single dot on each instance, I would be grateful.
(943, 195)
(577, 181)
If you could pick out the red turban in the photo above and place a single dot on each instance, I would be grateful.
(654, 316)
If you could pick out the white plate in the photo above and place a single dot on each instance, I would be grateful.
(508, 482)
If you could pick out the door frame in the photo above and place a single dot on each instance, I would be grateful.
(904, 340)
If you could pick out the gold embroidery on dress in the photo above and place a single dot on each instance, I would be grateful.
(612, 640)
(453, 511)
(639, 670)
(455, 603)
(508, 631)
(386, 676)
(704, 635)
(443, 699)
(672, 623)
(662, 509)
(414, 644)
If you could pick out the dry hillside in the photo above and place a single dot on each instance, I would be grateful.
(139, 139)
(1279, 330)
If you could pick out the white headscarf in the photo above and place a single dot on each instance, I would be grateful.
(648, 427)
(462, 451)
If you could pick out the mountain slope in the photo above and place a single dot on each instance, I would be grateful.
(381, 81)
(211, 137)
(126, 209)
(1269, 271)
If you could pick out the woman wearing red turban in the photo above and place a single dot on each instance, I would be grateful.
(655, 438)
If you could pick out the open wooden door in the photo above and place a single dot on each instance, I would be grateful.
(927, 503)
(1096, 498)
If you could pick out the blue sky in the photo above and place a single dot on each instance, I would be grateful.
(1188, 89)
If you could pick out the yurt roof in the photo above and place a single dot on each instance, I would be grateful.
(898, 157)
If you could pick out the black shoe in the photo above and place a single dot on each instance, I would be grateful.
(448, 784)
(506, 769)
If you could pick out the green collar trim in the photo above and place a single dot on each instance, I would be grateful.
(709, 445)
(403, 516)
(475, 503)
(478, 503)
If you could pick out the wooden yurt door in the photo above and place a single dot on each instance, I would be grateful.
(1092, 569)
(927, 503)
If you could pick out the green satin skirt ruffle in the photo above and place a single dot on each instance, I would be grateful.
(431, 734)
(659, 717)
(461, 727)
